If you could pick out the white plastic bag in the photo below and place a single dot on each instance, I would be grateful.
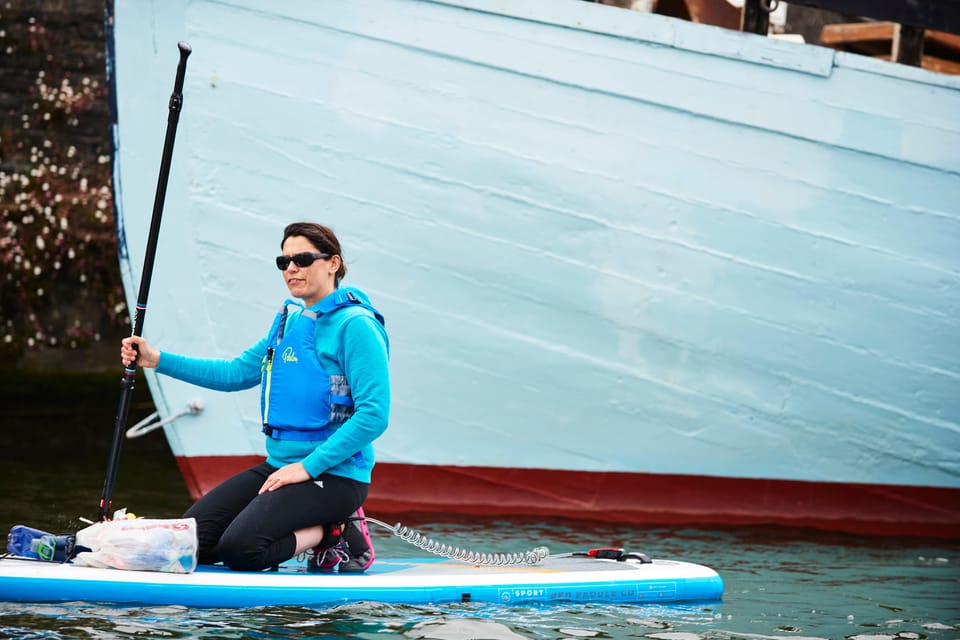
(140, 544)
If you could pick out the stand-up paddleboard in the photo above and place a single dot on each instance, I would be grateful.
(394, 580)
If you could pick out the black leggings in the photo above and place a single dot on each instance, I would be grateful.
(251, 532)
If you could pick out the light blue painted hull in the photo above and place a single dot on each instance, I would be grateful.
(604, 241)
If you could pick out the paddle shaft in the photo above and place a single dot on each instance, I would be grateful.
(129, 372)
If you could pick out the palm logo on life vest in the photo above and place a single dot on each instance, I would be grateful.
(299, 399)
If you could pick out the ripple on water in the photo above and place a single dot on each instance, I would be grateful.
(459, 629)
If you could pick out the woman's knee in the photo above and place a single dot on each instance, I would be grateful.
(247, 551)
(242, 559)
(241, 551)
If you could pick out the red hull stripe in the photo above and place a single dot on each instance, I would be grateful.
(635, 498)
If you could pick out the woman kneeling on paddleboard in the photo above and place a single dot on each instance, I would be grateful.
(325, 397)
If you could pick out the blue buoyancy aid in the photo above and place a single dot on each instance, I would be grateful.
(299, 399)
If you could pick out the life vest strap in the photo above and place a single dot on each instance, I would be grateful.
(295, 434)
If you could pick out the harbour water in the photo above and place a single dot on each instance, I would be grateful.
(780, 584)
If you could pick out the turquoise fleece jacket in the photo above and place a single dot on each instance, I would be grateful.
(350, 341)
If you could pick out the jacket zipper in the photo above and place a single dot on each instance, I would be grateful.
(266, 403)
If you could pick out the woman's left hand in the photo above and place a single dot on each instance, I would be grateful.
(288, 474)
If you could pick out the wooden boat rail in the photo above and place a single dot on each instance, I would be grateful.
(921, 34)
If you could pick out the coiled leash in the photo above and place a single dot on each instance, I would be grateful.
(419, 540)
(532, 557)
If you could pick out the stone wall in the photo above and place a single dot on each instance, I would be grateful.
(50, 42)
(53, 36)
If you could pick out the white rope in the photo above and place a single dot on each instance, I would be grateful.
(150, 423)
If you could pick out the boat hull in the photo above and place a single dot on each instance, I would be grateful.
(632, 268)
(635, 498)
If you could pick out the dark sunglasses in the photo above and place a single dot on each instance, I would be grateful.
(301, 260)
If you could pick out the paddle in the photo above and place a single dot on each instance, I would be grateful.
(126, 384)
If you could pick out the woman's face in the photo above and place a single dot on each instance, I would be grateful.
(312, 283)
